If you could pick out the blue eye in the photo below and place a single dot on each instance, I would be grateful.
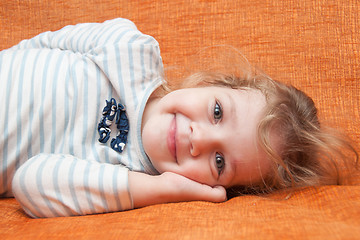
(218, 113)
(220, 163)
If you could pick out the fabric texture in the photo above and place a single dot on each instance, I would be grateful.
(311, 44)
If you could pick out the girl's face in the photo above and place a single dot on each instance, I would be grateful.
(207, 134)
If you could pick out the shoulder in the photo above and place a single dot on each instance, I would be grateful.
(122, 30)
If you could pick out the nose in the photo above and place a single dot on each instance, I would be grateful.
(203, 138)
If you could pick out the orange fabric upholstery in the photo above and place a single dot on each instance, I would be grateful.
(314, 45)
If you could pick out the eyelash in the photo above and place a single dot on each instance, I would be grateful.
(218, 112)
(220, 163)
(219, 159)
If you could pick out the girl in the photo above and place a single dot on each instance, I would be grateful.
(88, 127)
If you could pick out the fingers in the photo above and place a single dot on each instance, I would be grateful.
(219, 194)
(213, 194)
(184, 189)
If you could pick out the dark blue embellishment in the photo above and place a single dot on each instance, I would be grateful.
(122, 124)
(108, 113)
(121, 121)
(119, 142)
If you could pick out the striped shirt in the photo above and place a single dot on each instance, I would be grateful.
(53, 90)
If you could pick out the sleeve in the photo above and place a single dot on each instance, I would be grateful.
(81, 38)
(50, 185)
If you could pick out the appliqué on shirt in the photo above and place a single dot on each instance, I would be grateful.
(110, 111)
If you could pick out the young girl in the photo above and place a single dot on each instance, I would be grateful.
(87, 127)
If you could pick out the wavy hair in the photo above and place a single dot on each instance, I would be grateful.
(309, 154)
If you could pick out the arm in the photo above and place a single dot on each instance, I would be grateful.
(80, 38)
(50, 185)
(170, 187)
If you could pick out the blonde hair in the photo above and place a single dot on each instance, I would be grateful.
(309, 154)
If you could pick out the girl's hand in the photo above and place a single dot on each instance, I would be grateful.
(170, 187)
(180, 188)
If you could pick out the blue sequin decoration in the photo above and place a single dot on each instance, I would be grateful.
(122, 123)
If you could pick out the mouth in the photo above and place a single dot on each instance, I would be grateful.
(171, 139)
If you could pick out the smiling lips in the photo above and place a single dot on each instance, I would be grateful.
(171, 137)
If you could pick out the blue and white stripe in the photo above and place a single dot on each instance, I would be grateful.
(53, 89)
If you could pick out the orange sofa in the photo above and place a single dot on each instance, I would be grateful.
(315, 45)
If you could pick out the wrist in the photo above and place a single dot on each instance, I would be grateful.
(146, 189)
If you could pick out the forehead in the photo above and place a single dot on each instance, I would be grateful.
(248, 161)
(246, 105)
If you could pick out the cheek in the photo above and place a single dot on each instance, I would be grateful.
(185, 103)
(152, 139)
(258, 170)
(197, 172)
